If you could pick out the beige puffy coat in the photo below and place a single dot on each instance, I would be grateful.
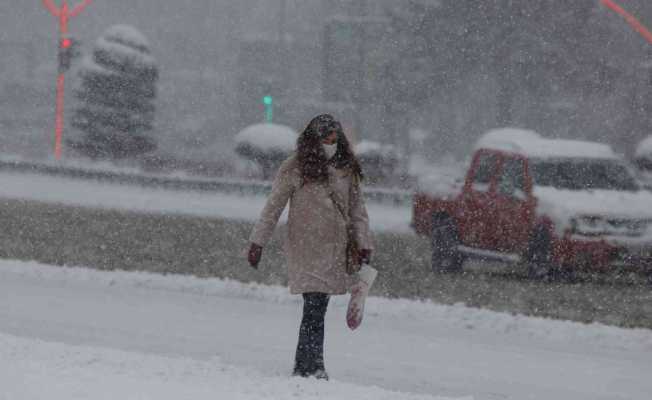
(316, 241)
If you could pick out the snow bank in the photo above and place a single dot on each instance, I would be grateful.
(33, 369)
(456, 316)
(268, 137)
(82, 193)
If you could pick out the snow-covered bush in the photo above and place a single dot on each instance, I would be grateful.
(267, 145)
(379, 161)
(116, 96)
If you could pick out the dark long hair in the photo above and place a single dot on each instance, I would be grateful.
(311, 157)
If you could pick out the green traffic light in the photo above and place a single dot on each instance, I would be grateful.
(269, 110)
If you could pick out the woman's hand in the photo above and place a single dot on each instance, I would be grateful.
(255, 253)
(365, 256)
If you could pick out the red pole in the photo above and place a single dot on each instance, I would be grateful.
(63, 14)
(631, 20)
(51, 7)
(59, 108)
(58, 124)
(79, 8)
(63, 18)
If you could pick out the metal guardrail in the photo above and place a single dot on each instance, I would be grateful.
(392, 197)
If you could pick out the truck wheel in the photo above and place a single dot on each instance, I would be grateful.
(444, 241)
(539, 255)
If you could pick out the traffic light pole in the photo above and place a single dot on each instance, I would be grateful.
(58, 121)
(631, 20)
(64, 13)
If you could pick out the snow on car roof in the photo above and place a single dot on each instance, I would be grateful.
(644, 149)
(531, 144)
(268, 136)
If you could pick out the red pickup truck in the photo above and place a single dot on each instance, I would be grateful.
(551, 205)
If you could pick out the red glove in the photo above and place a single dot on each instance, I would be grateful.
(255, 253)
(365, 256)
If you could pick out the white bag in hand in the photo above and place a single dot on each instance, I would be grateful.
(359, 292)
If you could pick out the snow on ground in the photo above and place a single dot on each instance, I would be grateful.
(34, 369)
(134, 198)
(75, 333)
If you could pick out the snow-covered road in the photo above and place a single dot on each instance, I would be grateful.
(78, 333)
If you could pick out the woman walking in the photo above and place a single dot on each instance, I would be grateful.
(321, 181)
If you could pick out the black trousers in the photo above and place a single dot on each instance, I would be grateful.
(310, 350)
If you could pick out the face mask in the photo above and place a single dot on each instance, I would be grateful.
(330, 150)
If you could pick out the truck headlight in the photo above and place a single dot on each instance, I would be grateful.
(590, 226)
(597, 226)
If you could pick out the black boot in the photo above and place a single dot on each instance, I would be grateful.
(309, 359)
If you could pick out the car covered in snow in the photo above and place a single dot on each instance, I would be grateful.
(553, 205)
(643, 161)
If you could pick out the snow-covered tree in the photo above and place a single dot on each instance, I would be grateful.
(267, 145)
(116, 96)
